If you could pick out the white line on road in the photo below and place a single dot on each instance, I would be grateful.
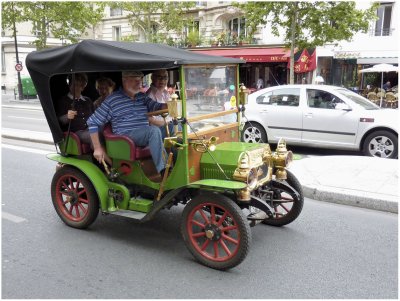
(26, 149)
(26, 118)
(12, 217)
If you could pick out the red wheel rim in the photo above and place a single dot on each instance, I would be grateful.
(72, 198)
(213, 232)
(284, 205)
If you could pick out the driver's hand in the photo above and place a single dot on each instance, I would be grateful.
(71, 114)
(99, 154)
(156, 121)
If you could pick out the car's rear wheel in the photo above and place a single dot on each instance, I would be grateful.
(382, 144)
(254, 133)
(74, 198)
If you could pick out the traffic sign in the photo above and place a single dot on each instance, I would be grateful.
(18, 67)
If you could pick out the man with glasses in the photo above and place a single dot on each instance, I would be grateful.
(126, 110)
(158, 92)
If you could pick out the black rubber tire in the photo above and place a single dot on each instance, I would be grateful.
(235, 219)
(74, 197)
(296, 207)
(382, 144)
(254, 133)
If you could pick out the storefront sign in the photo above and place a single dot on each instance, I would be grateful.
(346, 55)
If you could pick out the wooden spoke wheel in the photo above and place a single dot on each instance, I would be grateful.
(74, 197)
(215, 231)
(287, 205)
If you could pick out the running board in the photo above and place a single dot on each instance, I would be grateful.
(129, 213)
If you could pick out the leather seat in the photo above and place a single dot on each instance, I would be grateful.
(75, 146)
(122, 147)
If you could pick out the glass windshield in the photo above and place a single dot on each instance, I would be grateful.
(358, 99)
(210, 90)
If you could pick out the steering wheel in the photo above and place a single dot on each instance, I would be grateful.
(163, 113)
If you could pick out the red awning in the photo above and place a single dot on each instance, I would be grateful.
(250, 55)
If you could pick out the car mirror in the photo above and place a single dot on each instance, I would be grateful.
(342, 106)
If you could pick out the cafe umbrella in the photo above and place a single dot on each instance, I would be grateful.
(381, 68)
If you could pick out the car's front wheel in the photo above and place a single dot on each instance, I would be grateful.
(382, 144)
(215, 231)
(254, 133)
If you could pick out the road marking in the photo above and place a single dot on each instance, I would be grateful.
(30, 118)
(26, 149)
(12, 217)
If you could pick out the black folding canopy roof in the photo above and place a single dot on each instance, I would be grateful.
(104, 56)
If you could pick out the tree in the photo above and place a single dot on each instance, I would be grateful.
(308, 23)
(64, 20)
(11, 15)
(150, 17)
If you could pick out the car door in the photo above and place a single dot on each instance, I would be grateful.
(281, 115)
(324, 124)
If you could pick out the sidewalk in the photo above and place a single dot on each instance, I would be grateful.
(359, 181)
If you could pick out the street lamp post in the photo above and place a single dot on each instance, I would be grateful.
(20, 92)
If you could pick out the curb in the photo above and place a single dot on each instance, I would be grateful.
(330, 196)
(36, 140)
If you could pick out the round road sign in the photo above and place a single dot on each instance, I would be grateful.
(18, 67)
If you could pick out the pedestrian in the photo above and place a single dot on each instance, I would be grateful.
(387, 86)
(260, 83)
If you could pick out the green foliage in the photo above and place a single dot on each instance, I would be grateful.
(11, 13)
(152, 16)
(64, 20)
(308, 24)
(193, 38)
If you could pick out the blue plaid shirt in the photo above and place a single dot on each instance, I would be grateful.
(124, 114)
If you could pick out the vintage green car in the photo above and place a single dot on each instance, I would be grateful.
(226, 186)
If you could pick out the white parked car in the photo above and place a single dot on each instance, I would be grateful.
(321, 116)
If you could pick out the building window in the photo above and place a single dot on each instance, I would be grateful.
(37, 28)
(116, 31)
(115, 12)
(382, 25)
(3, 61)
(238, 26)
(194, 26)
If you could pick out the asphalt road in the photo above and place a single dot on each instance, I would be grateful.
(330, 251)
(24, 119)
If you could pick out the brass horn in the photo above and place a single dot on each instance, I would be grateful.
(202, 145)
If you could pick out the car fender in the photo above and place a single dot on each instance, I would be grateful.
(218, 184)
(100, 182)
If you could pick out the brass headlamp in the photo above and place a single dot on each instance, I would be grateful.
(174, 106)
(243, 95)
(282, 158)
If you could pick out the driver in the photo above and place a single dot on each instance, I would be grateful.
(126, 110)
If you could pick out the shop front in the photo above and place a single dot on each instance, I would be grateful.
(267, 64)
